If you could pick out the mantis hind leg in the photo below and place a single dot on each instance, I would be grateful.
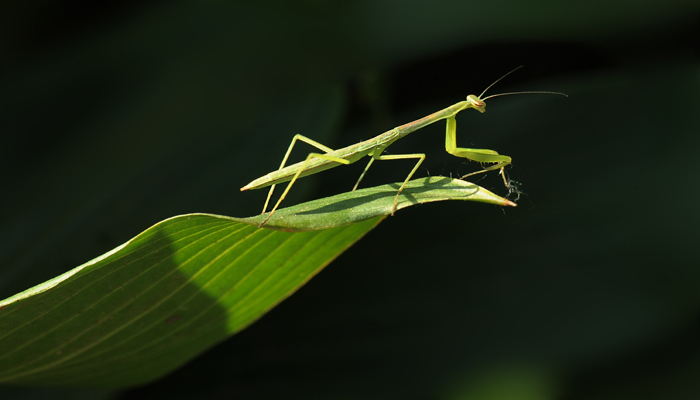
(480, 155)
(286, 156)
(310, 157)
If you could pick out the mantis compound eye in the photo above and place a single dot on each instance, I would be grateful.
(475, 101)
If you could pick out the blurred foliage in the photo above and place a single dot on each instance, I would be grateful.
(117, 116)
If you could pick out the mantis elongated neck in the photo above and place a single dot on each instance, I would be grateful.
(434, 117)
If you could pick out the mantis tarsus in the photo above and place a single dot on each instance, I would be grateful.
(317, 162)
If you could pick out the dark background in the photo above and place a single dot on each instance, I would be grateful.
(116, 115)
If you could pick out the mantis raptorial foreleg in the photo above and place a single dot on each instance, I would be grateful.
(480, 155)
(286, 156)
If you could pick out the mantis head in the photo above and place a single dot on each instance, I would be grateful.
(476, 103)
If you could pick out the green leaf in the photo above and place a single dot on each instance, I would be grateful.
(155, 302)
(150, 305)
(360, 205)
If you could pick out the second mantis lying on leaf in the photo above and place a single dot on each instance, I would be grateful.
(317, 162)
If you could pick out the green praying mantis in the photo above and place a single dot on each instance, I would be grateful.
(373, 148)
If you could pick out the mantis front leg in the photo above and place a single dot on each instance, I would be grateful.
(480, 155)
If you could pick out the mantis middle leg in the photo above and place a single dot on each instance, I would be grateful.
(378, 156)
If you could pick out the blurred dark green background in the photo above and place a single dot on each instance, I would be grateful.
(116, 115)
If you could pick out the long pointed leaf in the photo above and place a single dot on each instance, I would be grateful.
(378, 201)
(150, 305)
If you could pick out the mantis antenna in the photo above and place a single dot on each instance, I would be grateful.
(509, 93)
(535, 92)
(499, 79)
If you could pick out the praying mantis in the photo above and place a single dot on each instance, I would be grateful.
(373, 148)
